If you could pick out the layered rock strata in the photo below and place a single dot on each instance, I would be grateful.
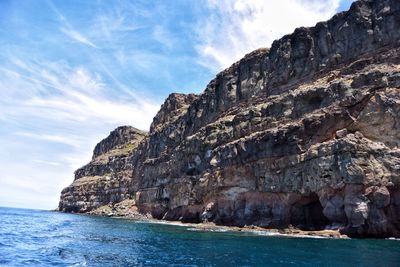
(305, 133)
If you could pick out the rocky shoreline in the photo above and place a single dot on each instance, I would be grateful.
(128, 210)
(133, 214)
(285, 232)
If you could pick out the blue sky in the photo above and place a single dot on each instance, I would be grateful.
(71, 71)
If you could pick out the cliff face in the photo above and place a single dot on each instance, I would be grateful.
(305, 133)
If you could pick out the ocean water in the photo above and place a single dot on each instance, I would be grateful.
(41, 238)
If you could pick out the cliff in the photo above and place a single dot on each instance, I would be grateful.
(305, 133)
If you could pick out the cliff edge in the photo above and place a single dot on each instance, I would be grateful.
(305, 133)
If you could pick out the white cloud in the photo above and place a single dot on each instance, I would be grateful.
(67, 28)
(55, 114)
(75, 95)
(78, 37)
(71, 141)
(111, 22)
(237, 27)
(45, 162)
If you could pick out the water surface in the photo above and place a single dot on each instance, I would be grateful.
(41, 238)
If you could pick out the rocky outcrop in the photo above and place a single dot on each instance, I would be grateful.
(124, 137)
(173, 107)
(107, 178)
(305, 133)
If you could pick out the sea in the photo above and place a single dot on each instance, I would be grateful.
(45, 238)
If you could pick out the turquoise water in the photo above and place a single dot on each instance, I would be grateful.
(41, 238)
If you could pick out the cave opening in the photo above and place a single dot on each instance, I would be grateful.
(307, 214)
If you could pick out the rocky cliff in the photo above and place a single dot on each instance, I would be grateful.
(305, 133)
(107, 178)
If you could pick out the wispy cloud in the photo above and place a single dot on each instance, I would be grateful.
(77, 37)
(164, 37)
(68, 29)
(111, 22)
(51, 104)
(77, 95)
(45, 162)
(236, 27)
(51, 138)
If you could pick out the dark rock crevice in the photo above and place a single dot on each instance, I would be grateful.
(307, 214)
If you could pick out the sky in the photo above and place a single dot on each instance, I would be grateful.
(72, 71)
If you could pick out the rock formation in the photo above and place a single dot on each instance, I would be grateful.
(305, 133)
